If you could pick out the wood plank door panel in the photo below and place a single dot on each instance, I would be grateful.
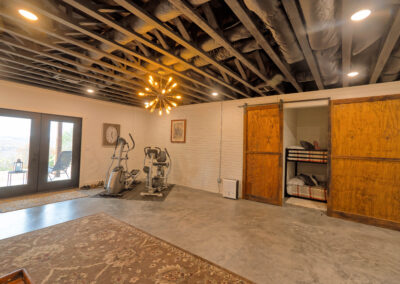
(365, 161)
(263, 154)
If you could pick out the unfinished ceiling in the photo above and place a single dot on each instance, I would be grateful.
(236, 48)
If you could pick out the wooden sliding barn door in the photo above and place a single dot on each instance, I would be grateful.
(365, 161)
(263, 154)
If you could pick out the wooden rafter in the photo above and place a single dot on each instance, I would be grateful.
(90, 10)
(62, 19)
(91, 48)
(347, 38)
(141, 13)
(217, 36)
(246, 20)
(390, 42)
(297, 24)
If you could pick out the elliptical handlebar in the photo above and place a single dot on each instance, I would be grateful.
(133, 141)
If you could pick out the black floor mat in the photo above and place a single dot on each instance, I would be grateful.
(134, 194)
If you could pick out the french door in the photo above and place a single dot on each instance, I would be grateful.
(38, 152)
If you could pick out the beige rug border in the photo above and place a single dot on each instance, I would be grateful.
(143, 232)
(32, 196)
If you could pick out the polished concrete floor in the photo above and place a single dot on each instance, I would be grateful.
(264, 243)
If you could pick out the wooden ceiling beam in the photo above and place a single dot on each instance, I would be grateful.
(347, 39)
(246, 20)
(208, 12)
(29, 57)
(93, 69)
(106, 88)
(90, 10)
(145, 16)
(77, 55)
(62, 19)
(387, 48)
(161, 39)
(294, 16)
(32, 80)
(185, 8)
(182, 30)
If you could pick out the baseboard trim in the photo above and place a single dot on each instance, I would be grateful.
(365, 220)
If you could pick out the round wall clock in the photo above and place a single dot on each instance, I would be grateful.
(111, 133)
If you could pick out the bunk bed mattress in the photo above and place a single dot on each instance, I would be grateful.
(305, 191)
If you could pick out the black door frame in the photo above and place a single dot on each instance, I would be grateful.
(34, 142)
(39, 152)
(43, 183)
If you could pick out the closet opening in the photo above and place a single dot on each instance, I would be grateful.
(305, 149)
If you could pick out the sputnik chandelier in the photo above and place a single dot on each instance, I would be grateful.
(161, 95)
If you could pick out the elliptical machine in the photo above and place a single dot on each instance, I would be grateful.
(157, 165)
(120, 178)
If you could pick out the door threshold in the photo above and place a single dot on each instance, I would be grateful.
(307, 203)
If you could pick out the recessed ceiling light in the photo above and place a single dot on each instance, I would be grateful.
(28, 15)
(214, 94)
(90, 91)
(352, 74)
(360, 15)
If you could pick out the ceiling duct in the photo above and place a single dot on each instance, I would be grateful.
(271, 13)
(323, 37)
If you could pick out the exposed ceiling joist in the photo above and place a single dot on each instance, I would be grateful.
(246, 20)
(390, 42)
(145, 16)
(57, 73)
(297, 24)
(66, 22)
(26, 79)
(347, 39)
(217, 36)
(182, 30)
(89, 10)
(62, 19)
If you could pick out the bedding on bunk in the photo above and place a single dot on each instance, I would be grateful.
(305, 191)
(319, 156)
(301, 187)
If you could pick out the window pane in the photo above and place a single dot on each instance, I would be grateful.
(60, 151)
(15, 134)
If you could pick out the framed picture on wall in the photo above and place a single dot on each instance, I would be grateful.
(111, 132)
(178, 131)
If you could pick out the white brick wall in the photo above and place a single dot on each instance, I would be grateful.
(195, 163)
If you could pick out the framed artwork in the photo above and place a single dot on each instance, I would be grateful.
(178, 131)
(110, 133)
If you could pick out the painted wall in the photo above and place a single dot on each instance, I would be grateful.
(197, 163)
(95, 158)
(214, 144)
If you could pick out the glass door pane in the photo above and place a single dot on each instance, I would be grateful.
(60, 151)
(19, 152)
(15, 134)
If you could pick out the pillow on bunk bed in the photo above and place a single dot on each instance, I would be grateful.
(295, 181)
(307, 145)
(307, 179)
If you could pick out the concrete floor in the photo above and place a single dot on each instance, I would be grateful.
(264, 243)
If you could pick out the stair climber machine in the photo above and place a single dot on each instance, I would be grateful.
(157, 165)
(120, 178)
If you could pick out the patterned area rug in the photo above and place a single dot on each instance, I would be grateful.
(101, 249)
(38, 199)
